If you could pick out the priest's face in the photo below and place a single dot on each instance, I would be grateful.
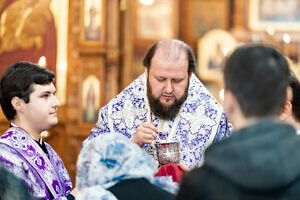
(167, 85)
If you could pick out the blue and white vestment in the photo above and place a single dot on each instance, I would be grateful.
(201, 119)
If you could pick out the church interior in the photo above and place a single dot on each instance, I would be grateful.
(96, 47)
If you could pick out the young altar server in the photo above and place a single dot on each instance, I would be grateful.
(27, 98)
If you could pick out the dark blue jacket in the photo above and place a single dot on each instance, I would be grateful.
(258, 162)
(138, 189)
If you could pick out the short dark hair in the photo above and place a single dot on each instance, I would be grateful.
(295, 85)
(192, 63)
(17, 81)
(258, 77)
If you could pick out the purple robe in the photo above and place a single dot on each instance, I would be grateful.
(21, 155)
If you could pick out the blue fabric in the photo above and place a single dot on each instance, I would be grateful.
(111, 158)
(201, 119)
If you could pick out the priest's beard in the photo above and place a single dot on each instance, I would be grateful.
(162, 111)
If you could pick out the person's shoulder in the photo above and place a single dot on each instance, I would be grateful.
(198, 90)
(50, 149)
(134, 90)
(195, 79)
(8, 133)
(199, 99)
(6, 146)
(10, 155)
(204, 182)
(138, 84)
(142, 187)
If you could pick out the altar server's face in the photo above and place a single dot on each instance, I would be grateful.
(168, 78)
(41, 111)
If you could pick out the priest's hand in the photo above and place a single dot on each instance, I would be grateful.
(145, 134)
(74, 191)
(183, 167)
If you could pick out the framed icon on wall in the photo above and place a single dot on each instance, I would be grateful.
(281, 15)
(157, 19)
(213, 48)
(92, 30)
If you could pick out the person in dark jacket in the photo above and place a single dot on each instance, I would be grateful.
(261, 159)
